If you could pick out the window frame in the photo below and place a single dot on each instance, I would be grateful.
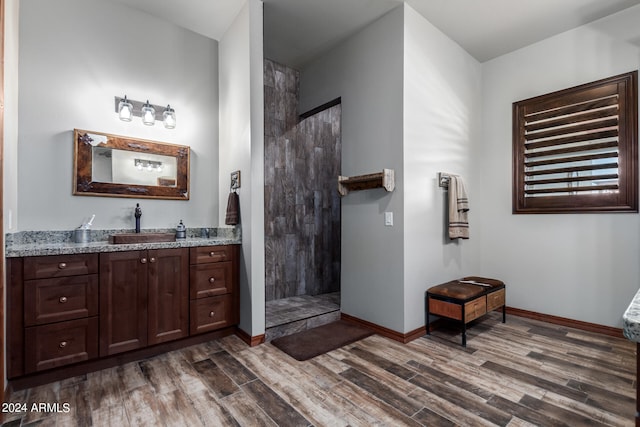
(626, 198)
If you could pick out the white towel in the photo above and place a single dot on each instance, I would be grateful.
(458, 208)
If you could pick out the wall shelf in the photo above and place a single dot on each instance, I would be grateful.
(384, 179)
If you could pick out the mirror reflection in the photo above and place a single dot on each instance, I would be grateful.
(128, 167)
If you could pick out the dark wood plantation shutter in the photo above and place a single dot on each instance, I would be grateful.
(576, 150)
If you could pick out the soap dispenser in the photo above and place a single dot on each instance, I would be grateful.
(181, 231)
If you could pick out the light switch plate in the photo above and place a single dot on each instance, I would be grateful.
(388, 219)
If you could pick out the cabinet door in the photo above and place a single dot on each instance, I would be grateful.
(168, 294)
(123, 301)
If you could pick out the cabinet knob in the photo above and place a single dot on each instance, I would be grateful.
(212, 313)
(143, 261)
(62, 265)
(212, 253)
(62, 300)
(62, 344)
(212, 279)
(152, 259)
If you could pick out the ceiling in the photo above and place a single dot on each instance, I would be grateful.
(296, 31)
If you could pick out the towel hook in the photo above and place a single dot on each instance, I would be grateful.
(443, 179)
(235, 180)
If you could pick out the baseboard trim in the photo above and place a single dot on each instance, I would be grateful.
(248, 339)
(563, 321)
(386, 332)
(419, 332)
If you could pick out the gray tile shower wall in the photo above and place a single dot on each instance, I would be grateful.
(302, 205)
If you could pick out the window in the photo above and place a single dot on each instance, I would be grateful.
(576, 150)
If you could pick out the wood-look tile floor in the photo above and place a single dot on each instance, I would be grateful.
(521, 373)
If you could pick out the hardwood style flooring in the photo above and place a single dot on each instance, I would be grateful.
(520, 373)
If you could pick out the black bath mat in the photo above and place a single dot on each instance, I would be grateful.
(314, 342)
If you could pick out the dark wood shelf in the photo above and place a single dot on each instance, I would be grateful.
(384, 179)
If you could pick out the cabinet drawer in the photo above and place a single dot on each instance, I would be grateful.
(62, 298)
(43, 267)
(474, 309)
(208, 314)
(60, 344)
(206, 254)
(495, 299)
(208, 280)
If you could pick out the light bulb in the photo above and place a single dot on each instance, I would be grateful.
(169, 117)
(148, 114)
(125, 110)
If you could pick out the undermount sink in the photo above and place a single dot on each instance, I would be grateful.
(123, 238)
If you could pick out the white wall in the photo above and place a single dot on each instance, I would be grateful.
(242, 148)
(366, 71)
(442, 133)
(10, 154)
(75, 56)
(578, 266)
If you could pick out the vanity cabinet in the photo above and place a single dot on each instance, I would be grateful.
(53, 311)
(213, 281)
(143, 298)
(81, 312)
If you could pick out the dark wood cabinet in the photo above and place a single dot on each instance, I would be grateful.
(143, 298)
(52, 309)
(213, 280)
(94, 308)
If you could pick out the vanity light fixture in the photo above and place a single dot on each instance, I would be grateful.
(148, 165)
(150, 113)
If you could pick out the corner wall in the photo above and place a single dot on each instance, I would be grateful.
(442, 133)
(579, 266)
(242, 148)
(366, 72)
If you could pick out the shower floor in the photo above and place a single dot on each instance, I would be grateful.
(290, 315)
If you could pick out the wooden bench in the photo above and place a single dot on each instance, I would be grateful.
(465, 300)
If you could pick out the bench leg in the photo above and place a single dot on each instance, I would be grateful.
(464, 328)
(504, 314)
(464, 334)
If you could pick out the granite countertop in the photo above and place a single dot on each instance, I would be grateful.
(37, 243)
(631, 319)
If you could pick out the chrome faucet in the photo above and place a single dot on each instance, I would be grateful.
(138, 214)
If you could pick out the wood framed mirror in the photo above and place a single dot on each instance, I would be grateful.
(121, 166)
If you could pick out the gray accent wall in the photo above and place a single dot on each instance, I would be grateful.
(302, 204)
(366, 71)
